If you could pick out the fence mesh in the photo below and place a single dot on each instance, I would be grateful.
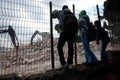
(30, 20)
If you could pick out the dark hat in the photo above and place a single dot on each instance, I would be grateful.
(64, 7)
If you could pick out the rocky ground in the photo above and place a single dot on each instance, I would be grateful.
(33, 62)
(108, 71)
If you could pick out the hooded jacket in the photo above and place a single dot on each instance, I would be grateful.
(59, 15)
(82, 22)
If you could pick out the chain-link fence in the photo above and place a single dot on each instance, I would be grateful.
(30, 23)
(25, 37)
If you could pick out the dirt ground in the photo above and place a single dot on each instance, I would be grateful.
(108, 71)
(31, 60)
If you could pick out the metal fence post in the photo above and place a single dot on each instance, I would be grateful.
(98, 13)
(51, 32)
(75, 48)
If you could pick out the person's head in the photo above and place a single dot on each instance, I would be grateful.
(82, 13)
(97, 23)
(64, 7)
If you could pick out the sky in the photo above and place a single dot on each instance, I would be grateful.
(88, 5)
(79, 3)
(27, 15)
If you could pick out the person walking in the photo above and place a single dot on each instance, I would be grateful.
(83, 25)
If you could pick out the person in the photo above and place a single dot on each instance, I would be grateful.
(82, 23)
(103, 36)
(63, 38)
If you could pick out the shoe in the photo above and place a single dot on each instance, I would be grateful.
(63, 66)
(70, 66)
(104, 62)
(85, 63)
(89, 63)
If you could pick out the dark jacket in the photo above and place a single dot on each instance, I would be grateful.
(102, 35)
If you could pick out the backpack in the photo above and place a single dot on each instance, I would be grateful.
(70, 25)
(91, 32)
